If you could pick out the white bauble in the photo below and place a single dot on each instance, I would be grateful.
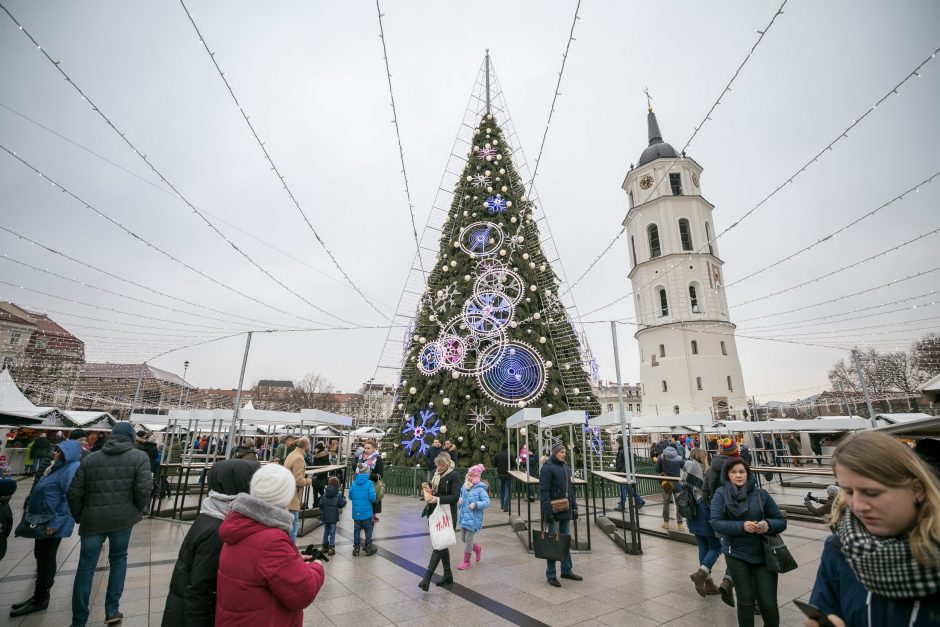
(542, 267)
(513, 324)
(489, 116)
(431, 405)
(446, 401)
(555, 391)
(576, 391)
(504, 189)
(465, 214)
(509, 203)
(453, 264)
(536, 315)
(443, 428)
(520, 239)
(533, 288)
(401, 406)
(550, 405)
(422, 339)
(489, 130)
(548, 292)
(476, 147)
(432, 318)
(473, 255)
(502, 171)
(548, 364)
(523, 431)
(415, 337)
(532, 265)
(466, 277)
(483, 447)
(467, 397)
(502, 253)
(412, 390)
(384, 454)
(456, 244)
(525, 255)
(520, 404)
(492, 240)
(513, 219)
(499, 157)
(486, 173)
(567, 366)
(440, 293)
(489, 189)
(484, 205)
(528, 300)
(469, 178)
(528, 331)
(496, 142)
(460, 438)
(542, 340)
(454, 374)
(490, 158)
(476, 131)
(445, 269)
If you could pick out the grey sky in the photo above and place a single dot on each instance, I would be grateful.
(312, 78)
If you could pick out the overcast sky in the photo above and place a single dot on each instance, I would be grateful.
(312, 79)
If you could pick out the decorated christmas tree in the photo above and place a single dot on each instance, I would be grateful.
(491, 335)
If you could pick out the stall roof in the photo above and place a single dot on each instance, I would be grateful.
(691, 422)
(825, 424)
(894, 419)
(14, 404)
(324, 417)
(565, 418)
(926, 427)
(368, 431)
(523, 417)
(82, 418)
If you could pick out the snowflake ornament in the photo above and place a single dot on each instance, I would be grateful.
(486, 153)
(480, 419)
(496, 204)
(420, 432)
(480, 180)
(445, 298)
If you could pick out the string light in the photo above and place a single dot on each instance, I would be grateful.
(802, 323)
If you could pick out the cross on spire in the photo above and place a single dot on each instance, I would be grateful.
(649, 99)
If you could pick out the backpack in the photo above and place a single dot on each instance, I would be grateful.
(685, 504)
(379, 490)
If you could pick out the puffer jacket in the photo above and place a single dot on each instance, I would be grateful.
(554, 483)
(472, 519)
(49, 497)
(330, 503)
(670, 462)
(747, 547)
(111, 489)
(362, 495)
(262, 579)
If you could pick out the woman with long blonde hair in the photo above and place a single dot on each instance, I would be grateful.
(881, 566)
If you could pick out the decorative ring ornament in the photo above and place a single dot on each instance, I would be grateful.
(516, 374)
(502, 280)
(481, 239)
(487, 312)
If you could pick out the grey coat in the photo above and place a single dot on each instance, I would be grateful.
(111, 489)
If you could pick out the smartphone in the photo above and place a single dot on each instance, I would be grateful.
(813, 612)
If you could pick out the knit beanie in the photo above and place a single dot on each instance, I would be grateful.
(363, 469)
(273, 484)
(728, 446)
(475, 473)
(557, 447)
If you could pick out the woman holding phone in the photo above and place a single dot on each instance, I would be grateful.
(881, 566)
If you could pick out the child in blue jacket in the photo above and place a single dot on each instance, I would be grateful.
(362, 495)
(473, 500)
(331, 503)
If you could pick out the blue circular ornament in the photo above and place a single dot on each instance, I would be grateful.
(517, 374)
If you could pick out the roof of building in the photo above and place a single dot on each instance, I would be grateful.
(131, 371)
(275, 383)
(48, 326)
(11, 316)
(657, 149)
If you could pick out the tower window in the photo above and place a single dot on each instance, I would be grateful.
(655, 249)
(708, 235)
(630, 198)
(653, 361)
(693, 299)
(698, 382)
(724, 350)
(675, 409)
(664, 387)
(632, 250)
(662, 350)
(675, 182)
(663, 303)
(685, 235)
(695, 349)
(730, 387)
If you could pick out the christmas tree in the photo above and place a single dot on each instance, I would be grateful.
(491, 335)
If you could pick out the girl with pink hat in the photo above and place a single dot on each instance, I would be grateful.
(473, 500)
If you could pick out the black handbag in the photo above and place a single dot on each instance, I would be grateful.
(32, 526)
(776, 554)
(550, 546)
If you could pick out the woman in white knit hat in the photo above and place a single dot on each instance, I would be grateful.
(263, 579)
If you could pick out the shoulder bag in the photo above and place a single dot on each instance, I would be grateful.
(561, 505)
(32, 526)
(776, 554)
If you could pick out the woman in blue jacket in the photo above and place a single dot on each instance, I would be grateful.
(741, 513)
(49, 500)
(882, 564)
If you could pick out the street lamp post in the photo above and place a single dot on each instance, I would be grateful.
(182, 387)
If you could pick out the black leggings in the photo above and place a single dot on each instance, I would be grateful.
(45, 551)
(754, 582)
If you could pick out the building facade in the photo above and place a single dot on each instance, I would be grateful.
(689, 359)
(606, 393)
(116, 386)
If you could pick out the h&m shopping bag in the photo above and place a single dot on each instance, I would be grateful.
(442, 528)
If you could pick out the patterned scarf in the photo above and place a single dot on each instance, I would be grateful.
(436, 480)
(885, 566)
(370, 459)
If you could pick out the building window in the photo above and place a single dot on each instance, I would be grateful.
(15, 338)
(698, 382)
(663, 302)
(610, 407)
(675, 182)
(675, 409)
(664, 387)
(730, 387)
(693, 299)
(662, 350)
(632, 250)
(695, 349)
(654, 360)
(7, 362)
(708, 235)
(685, 235)
(724, 351)
(653, 233)
(40, 343)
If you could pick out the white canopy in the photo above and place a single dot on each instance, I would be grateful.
(690, 422)
(826, 424)
(565, 418)
(319, 416)
(14, 403)
(366, 431)
(523, 417)
(926, 427)
(894, 419)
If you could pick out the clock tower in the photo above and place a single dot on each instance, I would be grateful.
(689, 359)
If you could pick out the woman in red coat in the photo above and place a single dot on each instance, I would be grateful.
(263, 579)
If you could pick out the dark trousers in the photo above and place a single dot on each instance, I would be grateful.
(754, 582)
(505, 486)
(45, 551)
(438, 557)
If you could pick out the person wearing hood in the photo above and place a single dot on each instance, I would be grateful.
(740, 514)
(78, 435)
(49, 501)
(331, 503)
(554, 485)
(362, 494)
(108, 496)
(191, 599)
(262, 578)
(444, 489)
(473, 500)
(670, 464)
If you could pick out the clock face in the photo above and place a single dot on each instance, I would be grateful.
(646, 182)
(695, 180)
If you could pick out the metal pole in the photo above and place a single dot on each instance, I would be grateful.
(861, 378)
(487, 81)
(848, 412)
(238, 396)
(626, 430)
(140, 381)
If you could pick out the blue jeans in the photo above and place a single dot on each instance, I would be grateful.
(564, 526)
(709, 548)
(294, 527)
(362, 524)
(85, 573)
(623, 497)
(329, 534)
(505, 485)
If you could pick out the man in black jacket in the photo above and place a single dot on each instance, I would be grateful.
(42, 448)
(108, 496)
(621, 466)
(501, 461)
(554, 485)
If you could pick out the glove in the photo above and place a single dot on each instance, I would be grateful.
(574, 514)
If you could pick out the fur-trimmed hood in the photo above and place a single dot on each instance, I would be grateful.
(249, 515)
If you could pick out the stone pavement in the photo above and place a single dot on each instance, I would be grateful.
(507, 587)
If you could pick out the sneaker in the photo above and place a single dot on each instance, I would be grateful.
(331, 550)
(681, 526)
(640, 504)
(117, 617)
(356, 551)
(370, 549)
(666, 524)
(619, 508)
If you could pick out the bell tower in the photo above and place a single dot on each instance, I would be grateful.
(689, 359)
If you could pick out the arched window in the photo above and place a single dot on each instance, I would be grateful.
(632, 250)
(662, 350)
(663, 302)
(708, 234)
(730, 387)
(724, 351)
(695, 349)
(693, 299)
(653, 232)
(698, 382)
(664, 387)
(685, 235)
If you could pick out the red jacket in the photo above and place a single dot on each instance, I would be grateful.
(262, 578)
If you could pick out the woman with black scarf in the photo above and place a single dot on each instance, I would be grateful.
(444, 489)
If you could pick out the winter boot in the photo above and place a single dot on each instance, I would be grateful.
(432, 566)
(17, 606)
(448, 577)
(710, 587)
(356, 551)
(465, 564)
(478, 550)
(325, 548)
(331, 550)
(370, 549)
(39, 602)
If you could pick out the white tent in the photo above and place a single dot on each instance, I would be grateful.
(14, 404)
(826, 424)
(895, 419)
